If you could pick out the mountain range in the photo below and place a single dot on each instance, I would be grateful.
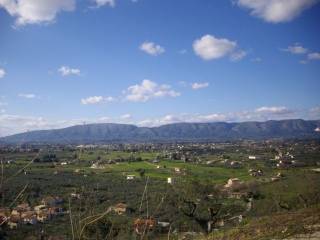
(216, 131)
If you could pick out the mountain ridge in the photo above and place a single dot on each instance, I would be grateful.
(214, 131)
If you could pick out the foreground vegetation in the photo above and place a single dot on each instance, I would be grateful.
(124, 192)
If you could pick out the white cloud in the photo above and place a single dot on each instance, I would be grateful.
(125, 116)
(152, 48)
(196, 85)
(104, 119)
(11, 124)
(92, 100)
(153, 122)
(296, 49)
(276, 11)
(209, 47)
(27, 95)
(2, 72)
(314, 56)
(96, 99)
(238, 55)
(259, 114)
(36, 11)
(274, 110)
(148, 90)
(215, 117)
(109, 99)
(100, 3)
(168, 119)
(67, 71)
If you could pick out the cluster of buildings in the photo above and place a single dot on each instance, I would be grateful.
(48, 208)
(288, 160)
(255, 172)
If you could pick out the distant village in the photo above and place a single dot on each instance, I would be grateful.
(253, 158)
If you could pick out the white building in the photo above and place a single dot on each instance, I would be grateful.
(130, 177)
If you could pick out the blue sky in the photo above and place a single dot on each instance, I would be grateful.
(152, 62)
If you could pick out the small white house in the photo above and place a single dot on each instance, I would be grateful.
(75, 195)
(94, 166)
(130, 177)
(170, 180)
(251, 157)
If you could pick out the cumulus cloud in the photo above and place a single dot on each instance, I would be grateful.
(149, 90)
(299, 50)
(27, 95)
(197, 86)
(2, 73)
(276, 11)
(36, 11)
(100, 3)
(314, 56)
(238, 55)
(96, 100)
(67, 71)
(296, 49)
(152, 48)
(92, 100)
(209, 47)
(274, 110)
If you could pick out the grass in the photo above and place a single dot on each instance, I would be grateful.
(192, 171)
(277, 226)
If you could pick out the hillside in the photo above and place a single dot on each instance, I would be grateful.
(218, 131)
